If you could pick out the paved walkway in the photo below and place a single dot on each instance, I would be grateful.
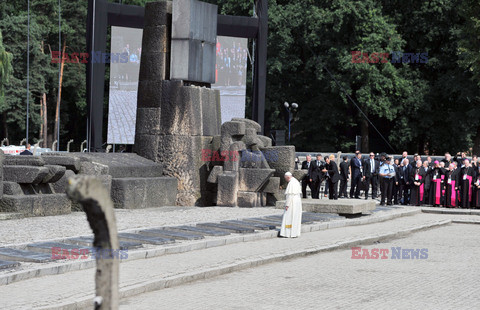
(143, 275)
(34, 229)
(447, 279)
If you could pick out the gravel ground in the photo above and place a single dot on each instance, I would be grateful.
(18, 231)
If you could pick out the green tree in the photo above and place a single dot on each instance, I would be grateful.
(5, 71)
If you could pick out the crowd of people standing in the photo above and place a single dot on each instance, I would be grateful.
(449, 182)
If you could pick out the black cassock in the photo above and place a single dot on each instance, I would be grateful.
(418, 192)
(437, 187)
(476, 189)
(466, 181)
(451, 182)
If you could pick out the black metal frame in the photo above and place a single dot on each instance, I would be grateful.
(102, 14)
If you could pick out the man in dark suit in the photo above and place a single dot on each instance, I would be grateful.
(331, 170)
(306, 180)
(372, 166)
(316, 175)
(405, 180)
(357, 174)
(27, 150)
(344, 176)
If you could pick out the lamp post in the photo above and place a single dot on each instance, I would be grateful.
(290, 108)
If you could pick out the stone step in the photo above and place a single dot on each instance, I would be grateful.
(342, 206)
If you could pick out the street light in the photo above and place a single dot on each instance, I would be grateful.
(290, 108)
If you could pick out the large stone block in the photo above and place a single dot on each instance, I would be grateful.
(12, 188)
(182, 159)
(148, 121)
(255, 159)
(249, 123)
(195, 20)
(25, 174)
(210, 107)
(36, 205)
(182, 112)
(251, 199)
(69, 161)
(60, 186)
(92, 168)
(55, 173)
(158, 13)
(123, 165)
(146, 146)
(227, 189)
(214, 173)
(299, 174)
(156, 38)
(233, 128)
(154, 66)
(15, 160)
(253, 179)
(344, 206)
(233, 164)
(138, 193)
(272, 185)
(194, 31)
(266, 141)
(282, 159)
(149, 94)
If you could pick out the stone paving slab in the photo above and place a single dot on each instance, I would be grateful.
(88, 241)
(4, 264)
(202, 230)
(251, 225)
(47, 247)
(225, 227)
(166, 233)
(24, 255)
(145, 239)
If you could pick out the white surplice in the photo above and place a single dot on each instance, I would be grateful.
(292, 218)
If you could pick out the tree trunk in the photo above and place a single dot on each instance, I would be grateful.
(43, 113)
(364, 132)
(476, 142)
(57, 111)
(5, 127)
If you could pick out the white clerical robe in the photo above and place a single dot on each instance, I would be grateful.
(292, 218)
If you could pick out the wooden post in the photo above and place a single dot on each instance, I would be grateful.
(97, 204)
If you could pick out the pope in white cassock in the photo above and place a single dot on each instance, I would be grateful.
(292, 217)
